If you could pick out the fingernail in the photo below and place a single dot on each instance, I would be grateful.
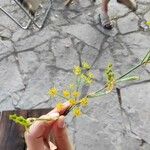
(67, 104)
(61, 123)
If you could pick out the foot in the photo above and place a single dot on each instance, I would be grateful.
(68, 2)
(105, 21)
(131, 4)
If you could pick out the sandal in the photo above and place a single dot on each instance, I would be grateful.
(131, 5)
(105, 21)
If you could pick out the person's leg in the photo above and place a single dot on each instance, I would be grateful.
(105, 6)
(106, 23)
(68, 2)
(131, 4)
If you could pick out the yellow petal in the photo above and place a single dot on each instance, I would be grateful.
(66, 94)
(59, 106)
(77, 112)
(84, 101)
(52, 92)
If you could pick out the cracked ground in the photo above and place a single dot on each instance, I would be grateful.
(32, 61)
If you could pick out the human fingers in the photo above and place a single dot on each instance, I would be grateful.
(35, 138)
(62, 139)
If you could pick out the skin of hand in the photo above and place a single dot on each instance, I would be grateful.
(49, 135)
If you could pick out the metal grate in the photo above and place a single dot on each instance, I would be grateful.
(32, 16)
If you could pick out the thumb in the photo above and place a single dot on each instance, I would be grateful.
(62, 139)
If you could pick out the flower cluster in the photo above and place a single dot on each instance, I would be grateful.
(110, 77)
(52, 92)
(20, 120)
(83, 73)
(72, 94)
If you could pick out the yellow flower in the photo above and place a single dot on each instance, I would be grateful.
(72, 86)
(52, 92)
(91, 75)
(59, 106)
(77, 70)
(85, 65)
(84, 101)
(76, 94)
(77, 112)
(72, 102)
(66, 94)
(83, 76)
(88, 80)
(110, 77)
(111, 85)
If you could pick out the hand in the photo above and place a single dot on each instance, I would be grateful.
(49, 135)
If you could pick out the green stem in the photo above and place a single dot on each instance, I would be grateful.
(101, 89)
(142, 62)
(40, 119)
(78, 83)
(62, 96)
(97, 95)
(134, 68)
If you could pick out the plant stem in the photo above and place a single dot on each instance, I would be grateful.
(40, 119)
(142, 62)
(97, 95)
(134, 68)
(78, 83)
(62, 96)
